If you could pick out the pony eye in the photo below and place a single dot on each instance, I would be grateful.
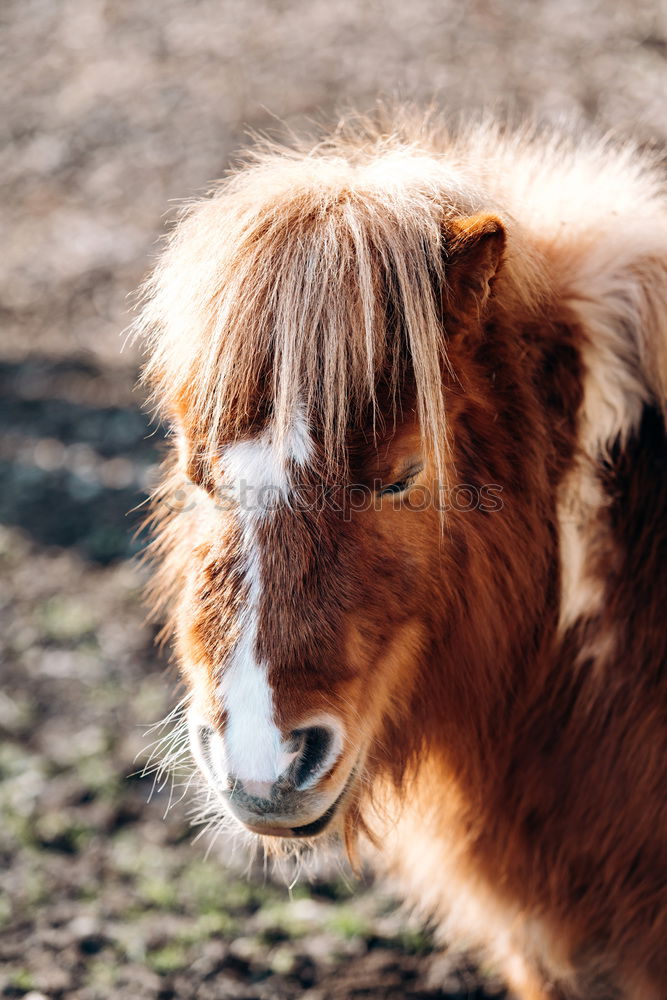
(401, 485)
(398, 487)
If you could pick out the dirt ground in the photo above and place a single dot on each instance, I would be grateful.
(111, 111)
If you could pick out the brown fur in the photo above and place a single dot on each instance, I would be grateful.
(511, 761)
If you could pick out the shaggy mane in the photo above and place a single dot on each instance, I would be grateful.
(311, 278)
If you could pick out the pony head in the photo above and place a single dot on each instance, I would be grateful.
(316, 330)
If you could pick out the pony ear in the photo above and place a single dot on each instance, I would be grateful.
(475, 249)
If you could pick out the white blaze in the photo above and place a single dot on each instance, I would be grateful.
(258, 471)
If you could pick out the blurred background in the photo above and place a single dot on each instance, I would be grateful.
(114, 110)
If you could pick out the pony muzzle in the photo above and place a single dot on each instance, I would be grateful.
(300, 800)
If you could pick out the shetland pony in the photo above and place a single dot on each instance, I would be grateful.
(418, 383)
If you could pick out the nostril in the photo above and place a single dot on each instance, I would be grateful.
(298, 763)
(314, 755)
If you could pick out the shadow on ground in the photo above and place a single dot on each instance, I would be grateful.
(73, 474)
